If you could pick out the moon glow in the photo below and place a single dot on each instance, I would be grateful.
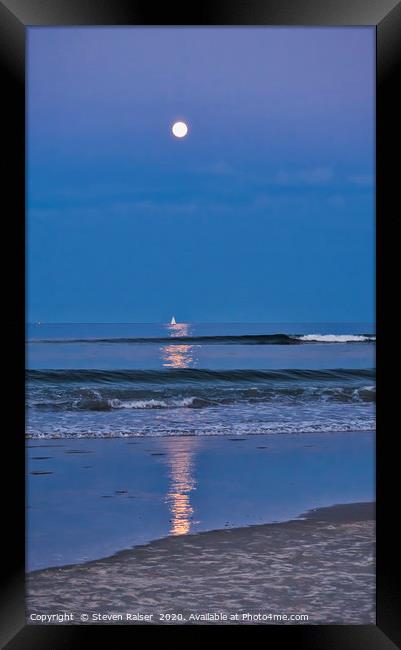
(179, 129)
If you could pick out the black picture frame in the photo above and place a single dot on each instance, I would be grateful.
(15, 17)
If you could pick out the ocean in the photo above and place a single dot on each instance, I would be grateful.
(156, 380)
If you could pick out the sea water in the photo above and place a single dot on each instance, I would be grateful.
(138, 380)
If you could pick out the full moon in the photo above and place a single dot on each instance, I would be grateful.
(179, 129)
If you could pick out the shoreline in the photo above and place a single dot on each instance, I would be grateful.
(336, 513)
(320, 565)
(88, 499)
(168, 436)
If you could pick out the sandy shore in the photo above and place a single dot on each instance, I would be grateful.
(91, 498)
(321, 566)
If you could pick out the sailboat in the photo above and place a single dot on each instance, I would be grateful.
(173, 322)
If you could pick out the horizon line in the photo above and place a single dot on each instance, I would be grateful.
(251, 322)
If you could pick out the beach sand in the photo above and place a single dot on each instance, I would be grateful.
(321, 566)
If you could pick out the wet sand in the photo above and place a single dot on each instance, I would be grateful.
(321, 565)
(91, 498)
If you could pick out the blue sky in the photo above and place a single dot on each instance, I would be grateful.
(264, 212)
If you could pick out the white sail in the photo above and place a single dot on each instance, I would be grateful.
(172, 322)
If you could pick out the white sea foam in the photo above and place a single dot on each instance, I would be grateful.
(336, 338)
(272, 428)
(155, 403)
(137, 404)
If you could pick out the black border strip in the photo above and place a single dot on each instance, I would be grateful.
(15, 16)
(223, 12)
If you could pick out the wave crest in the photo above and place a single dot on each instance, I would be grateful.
(241, 339)
(168, 375)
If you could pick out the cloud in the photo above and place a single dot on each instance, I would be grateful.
(314, 176)
(336, 201)
(150, 207)
(220, 168)
(362, 180)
